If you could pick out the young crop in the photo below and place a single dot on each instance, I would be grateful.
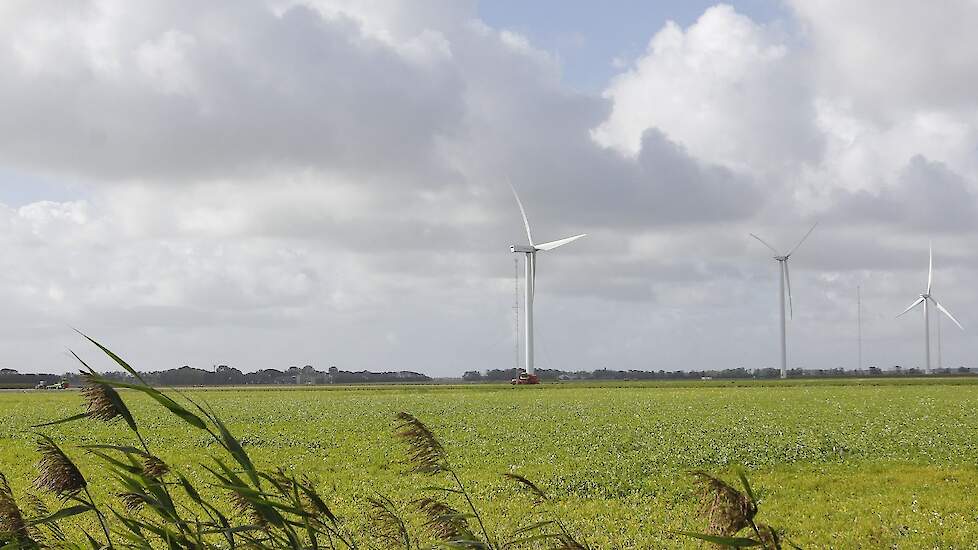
(153, 504)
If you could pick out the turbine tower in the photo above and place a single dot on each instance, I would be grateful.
(859, 325)
(927, 298)
(785, 278)
(529, 286)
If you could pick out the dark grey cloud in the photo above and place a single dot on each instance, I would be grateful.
(926, 196)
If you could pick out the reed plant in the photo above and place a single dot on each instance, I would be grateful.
(730, 514)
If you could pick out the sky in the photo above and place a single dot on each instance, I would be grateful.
(267, 183)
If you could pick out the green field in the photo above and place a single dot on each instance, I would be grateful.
(845, 465)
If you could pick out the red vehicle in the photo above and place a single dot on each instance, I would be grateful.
(525, 378)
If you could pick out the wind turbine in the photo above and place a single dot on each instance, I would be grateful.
(784, 278)
(529, 287)
(926, 298)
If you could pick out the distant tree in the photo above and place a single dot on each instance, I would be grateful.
(767, 373)
(497, 374)
(226, 375)
(605, 374)
(549, 374)
(472, 376)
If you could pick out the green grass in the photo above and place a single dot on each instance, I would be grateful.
(871, 463)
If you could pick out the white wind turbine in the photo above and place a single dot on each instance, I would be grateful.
(926, 298)
(529, 288)
(785, 278)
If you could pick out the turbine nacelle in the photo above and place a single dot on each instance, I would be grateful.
(529, 236)
(528, 249)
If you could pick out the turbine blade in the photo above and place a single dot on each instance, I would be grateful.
(787, 280)
(554, 244)
(930, 266)
(913, 305)
(526, 223)
(792, 251)
(946, 312)
(532, 258)
(765, 244)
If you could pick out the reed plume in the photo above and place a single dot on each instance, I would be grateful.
(388, 527)
(102, 402)
(12, 522)
(426, 455)
(154, 467)
(246, 509)
(727, 510)
(444, 522)
(132, 501)
(56, 472)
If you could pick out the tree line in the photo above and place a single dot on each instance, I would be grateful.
(223, 375)
(499, 375)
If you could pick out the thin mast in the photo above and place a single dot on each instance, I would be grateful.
(516, 306)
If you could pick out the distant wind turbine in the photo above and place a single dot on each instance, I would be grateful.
(529, 287)
(927, 298)
(785, 279)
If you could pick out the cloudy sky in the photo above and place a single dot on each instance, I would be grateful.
(266, 183)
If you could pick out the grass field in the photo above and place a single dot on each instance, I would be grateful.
(842, 465)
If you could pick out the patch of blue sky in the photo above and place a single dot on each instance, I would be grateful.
(594, 40)
(20, 188)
